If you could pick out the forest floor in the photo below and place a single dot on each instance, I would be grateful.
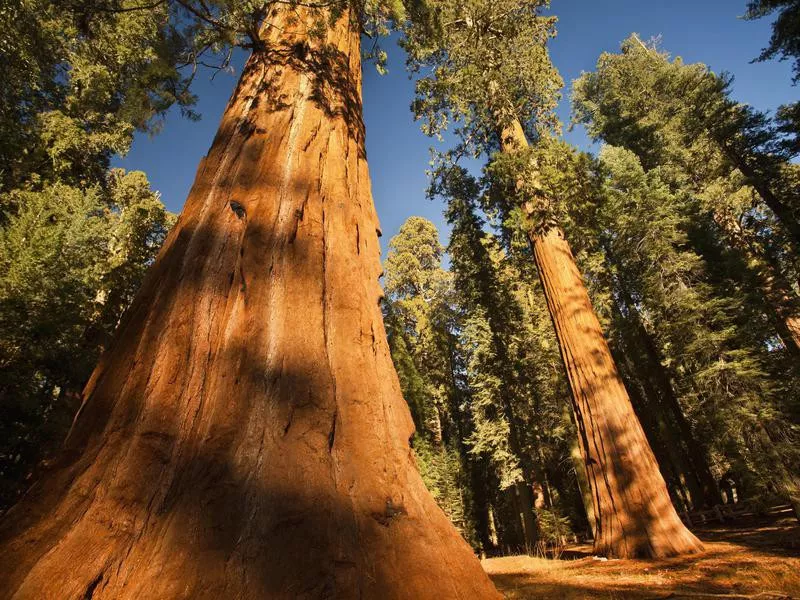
(754, 558)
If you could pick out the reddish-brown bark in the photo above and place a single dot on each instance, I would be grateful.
(245, 435)
(633, 511)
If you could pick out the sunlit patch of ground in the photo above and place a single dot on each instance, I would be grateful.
(755, 559)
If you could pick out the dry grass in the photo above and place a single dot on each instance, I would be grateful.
(760, 559)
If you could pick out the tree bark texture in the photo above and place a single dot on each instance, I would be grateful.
(665, 453)
(634, 515)
(245, 435)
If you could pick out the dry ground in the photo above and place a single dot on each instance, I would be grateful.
(759, 558)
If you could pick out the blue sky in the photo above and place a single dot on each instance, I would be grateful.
(708, 31)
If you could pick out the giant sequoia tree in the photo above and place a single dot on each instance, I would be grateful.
(485, 66)
(743, 262)
(244, 435)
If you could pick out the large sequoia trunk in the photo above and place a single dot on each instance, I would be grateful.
(245, 435)
(633, 511)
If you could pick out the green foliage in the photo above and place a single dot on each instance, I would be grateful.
(79, 79)
(71, 260)
(443, 473)
(670, 113)
(513, 365)
(555, 529)
(718, 365)
(785, 40)
(482, 64)
(784, 44)
(492, 433)
(421, 325)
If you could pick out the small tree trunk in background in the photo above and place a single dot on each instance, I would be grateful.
(635, 516)
(697, 455)
(474, 466)
(785, 478)
(480, 505)
(583, 485)
(524, 497)
(245, 435)
(783, 305)
(783, 212)
(523, 490)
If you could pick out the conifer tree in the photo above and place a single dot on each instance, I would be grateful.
(666, 110)
(784, 44)
(514, 347)
(422, 327)
(78, 79)
(726, 389)
(484, 65)
(496, 377)
(71, 260)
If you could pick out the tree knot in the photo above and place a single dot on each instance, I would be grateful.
(238, 209)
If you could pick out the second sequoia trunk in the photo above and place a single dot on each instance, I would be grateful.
(634, 514)
(245, 436)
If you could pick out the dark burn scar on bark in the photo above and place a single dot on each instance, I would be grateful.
(332, 433)
(301, 49)
(238, 209)
(89, 593)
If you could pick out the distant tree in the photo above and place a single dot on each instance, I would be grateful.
(514, 365)
(784, 44)
(495, 366)
(422, 327)
(639, 99)
(485, 67)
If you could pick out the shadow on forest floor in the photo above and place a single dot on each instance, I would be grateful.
(757, 558)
